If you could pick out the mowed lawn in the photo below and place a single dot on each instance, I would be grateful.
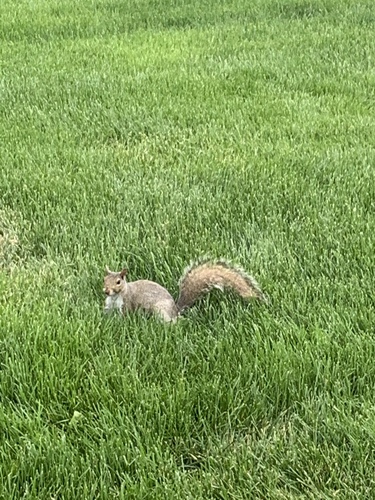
(147, 134)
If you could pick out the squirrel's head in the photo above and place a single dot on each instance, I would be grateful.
(114, 282)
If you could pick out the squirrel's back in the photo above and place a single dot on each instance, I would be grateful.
(144, 294)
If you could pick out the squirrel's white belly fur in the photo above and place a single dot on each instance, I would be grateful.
(114, 302)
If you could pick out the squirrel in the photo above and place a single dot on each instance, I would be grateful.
(197, 279)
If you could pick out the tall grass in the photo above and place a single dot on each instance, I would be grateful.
(148, 134)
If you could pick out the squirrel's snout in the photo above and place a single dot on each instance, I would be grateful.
(106, 291)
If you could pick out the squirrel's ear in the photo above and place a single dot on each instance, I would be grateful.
(123, 273)
(107, 271)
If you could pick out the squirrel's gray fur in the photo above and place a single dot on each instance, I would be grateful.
(197, 279)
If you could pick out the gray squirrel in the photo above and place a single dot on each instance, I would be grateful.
(197, 279)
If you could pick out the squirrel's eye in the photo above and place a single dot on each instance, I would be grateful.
(118, 282)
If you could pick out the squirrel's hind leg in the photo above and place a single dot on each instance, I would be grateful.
(167, 317)
(167, 312)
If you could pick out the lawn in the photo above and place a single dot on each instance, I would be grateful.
(147, 134)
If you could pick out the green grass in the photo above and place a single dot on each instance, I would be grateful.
(148, 134)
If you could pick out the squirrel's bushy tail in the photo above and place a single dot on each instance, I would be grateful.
(202, 276)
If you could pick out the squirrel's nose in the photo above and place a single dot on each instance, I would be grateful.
(106, 291)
